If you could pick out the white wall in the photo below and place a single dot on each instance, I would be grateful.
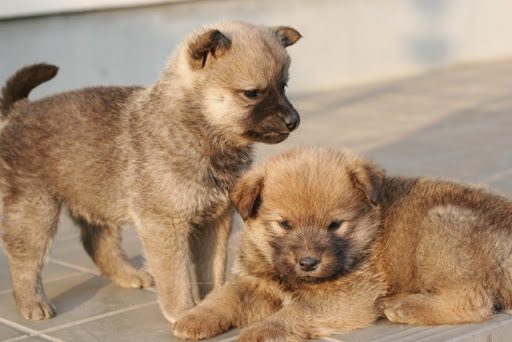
(345, 42)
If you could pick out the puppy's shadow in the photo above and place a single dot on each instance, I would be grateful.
(92, 294)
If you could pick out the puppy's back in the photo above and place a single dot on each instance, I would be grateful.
(438, 233)
(70, 143)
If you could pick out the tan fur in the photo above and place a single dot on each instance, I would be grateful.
(414, 250)
(162, 158)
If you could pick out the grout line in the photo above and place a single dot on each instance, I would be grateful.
(73, 266)
(27, 331)
(49, 338)
(19, 338)
(94, 318)
(40, 336)
(5, 291)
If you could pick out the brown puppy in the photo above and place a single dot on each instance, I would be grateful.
(162, 158)
(330, 244)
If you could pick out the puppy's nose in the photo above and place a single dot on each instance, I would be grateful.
(292, 122)
(308, 263)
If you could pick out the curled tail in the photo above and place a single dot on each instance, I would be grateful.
(19, 85)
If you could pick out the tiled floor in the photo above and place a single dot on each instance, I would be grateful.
(452, 124)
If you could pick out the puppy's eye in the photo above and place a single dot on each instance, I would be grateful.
(285, 225)
(283, 85)
(334, 225)
(251, 93)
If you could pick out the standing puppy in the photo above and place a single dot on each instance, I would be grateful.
(330, 244)
(163, 158)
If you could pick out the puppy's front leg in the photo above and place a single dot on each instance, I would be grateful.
(209, 251)
(166, 244)
(241, 301)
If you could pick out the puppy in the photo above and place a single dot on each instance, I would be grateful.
(330, 244)
(162, 158)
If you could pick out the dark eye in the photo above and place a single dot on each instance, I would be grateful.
(334, 225)
(251, 93)
(284, 85)
(285, 225)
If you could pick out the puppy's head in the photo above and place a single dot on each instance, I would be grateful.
(310, 215)
(236, 74)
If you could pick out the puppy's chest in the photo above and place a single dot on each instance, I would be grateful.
(205, 201)
(201, 190)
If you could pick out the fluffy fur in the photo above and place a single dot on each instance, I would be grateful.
(330, 244)
(162, 158)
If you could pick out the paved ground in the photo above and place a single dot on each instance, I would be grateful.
(452, 124)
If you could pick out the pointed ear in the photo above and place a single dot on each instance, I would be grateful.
(246, 195)
(286, 35)
(369, 179)
(212, 43)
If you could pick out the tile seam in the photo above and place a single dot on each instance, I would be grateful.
(94, 318)
(73, 266)
(28, 332)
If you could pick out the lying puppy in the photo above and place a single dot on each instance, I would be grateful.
(330, 244)
(163, 158)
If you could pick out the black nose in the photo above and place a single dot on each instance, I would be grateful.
(308, 263)
(292, 122)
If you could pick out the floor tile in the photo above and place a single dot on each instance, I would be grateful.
(77, 298)
(385, 331)
(7, 332)
(128, 326)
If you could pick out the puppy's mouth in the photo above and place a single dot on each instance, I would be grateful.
(310, 279)
(275, 137)
(308, 270)
(268, 137)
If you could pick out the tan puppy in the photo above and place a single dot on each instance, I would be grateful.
(330, 244)
(162, 158)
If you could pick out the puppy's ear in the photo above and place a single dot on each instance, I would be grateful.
(246, 195)
(369, 179)
(212, 43)
(287, 35)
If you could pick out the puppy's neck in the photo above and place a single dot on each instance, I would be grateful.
(173, 118)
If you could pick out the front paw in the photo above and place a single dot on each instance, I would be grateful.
(401, 311)
(36, 309)
(133, 279)
(199, 324)
(267, 332)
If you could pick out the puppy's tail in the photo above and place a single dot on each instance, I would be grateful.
(19, 85)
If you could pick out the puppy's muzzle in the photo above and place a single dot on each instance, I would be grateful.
(289, 115)
(308, 264)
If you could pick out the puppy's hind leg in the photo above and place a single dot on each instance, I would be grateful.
(445, 307)
(209, 253)
(29, 224)
(103, 244)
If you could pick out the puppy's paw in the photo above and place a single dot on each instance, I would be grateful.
(36, 309)
(402, 311)
(266, 332)
(136, 279)
(200, 324)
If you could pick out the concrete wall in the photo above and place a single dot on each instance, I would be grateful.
(345, 42)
